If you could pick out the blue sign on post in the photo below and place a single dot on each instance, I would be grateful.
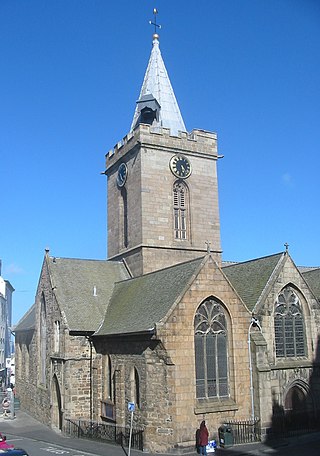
(131, 406)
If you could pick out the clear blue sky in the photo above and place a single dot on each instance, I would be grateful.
(71, 71)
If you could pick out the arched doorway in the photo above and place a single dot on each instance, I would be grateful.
(56, 404)
(299, 408)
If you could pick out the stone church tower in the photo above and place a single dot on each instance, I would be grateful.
(162, 183)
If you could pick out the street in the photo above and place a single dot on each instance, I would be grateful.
(41, 448)
(39, 440)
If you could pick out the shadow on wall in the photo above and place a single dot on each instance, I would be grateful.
(300, 413)
(299, 416)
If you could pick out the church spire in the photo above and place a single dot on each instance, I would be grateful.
(157, 104)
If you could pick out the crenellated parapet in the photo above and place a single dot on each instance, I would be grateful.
(199, 142)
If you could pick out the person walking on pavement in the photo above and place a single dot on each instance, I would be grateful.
(203, 438)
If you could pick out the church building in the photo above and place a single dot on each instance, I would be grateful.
(164, 322)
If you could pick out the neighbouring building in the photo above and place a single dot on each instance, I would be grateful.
(165, 322)
(6, 291)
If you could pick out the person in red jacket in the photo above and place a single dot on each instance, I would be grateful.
(203, 438)
(3, 444)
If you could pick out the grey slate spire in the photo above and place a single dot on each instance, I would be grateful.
(157, 104)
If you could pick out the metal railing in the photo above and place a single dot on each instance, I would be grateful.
(105, 432)
(293, 424)
(245, 431)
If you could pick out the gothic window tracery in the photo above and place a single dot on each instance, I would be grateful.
(289, 325)
(211, 351)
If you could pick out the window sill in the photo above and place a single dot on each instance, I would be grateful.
(215, 406)
(289, 363)
(107, 419)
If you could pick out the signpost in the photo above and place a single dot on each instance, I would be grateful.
(131, 408)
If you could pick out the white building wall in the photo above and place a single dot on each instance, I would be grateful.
(6, 291)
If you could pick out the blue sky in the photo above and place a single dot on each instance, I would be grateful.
(71, 71)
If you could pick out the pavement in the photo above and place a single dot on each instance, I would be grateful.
(23, 425)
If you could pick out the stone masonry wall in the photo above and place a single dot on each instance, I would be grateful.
(69, 365)
(275, 375)
(149, 198)
(170, 412)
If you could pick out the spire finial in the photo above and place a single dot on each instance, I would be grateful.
(155, 12)
(286, 246)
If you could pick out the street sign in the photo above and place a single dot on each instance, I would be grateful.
(131, 406)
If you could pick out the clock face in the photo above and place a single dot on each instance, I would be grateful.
(122, 175)
(180, 166)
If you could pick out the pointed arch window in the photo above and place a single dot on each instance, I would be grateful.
(289, 325)
(43, 340)
(123, 217)
(108, 404)
(135, 386)
(211, 350)
(108, 378)
(180, 210)
(26, 363)
(56, 339)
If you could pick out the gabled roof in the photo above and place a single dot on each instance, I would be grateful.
(83, 289)
(312, 278)
(27, 322)
(138, 304)
(250, 277)
(157, 83)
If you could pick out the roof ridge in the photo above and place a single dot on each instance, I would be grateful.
(53, 257)
(147, 274)
(235, 263)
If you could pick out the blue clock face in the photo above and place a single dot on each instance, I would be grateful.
(122, 175)
(180, 166)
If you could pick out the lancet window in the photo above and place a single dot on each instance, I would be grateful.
(180, 210)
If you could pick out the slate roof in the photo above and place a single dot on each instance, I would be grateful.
(156, 82)
(27, 322)
(250, 277)
(313, 280)
(83, 289)
(100, 294)
(138, 304)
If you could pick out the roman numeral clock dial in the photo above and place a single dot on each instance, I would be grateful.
(180, 166)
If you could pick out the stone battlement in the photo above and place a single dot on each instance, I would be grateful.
(159, 137)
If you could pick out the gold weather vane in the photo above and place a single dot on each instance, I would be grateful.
(155, 12)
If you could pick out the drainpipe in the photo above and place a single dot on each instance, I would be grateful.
(90, 379)
(254, 322)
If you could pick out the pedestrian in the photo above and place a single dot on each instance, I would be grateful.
(203, 438)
